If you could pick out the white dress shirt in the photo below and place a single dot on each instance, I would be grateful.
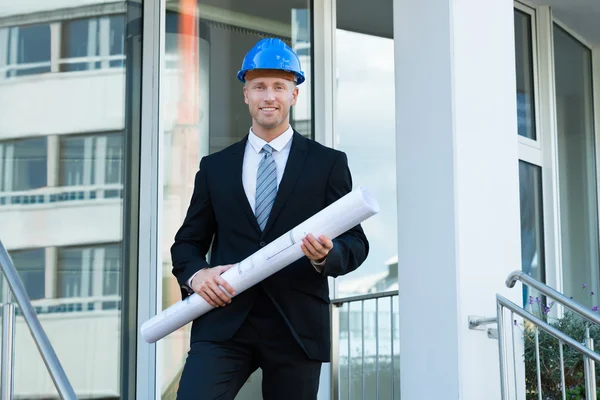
(281, 151)
(252, 155)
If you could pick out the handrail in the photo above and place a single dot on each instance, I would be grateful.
(335, 306)
(370, 296)
(548, 291)
(586, 348)
(549, 329)
(57, 373)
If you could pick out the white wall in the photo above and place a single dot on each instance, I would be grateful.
(76, 338)
(65, 224)
(74, 102)
(458, 214)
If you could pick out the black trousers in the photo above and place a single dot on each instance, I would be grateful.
(218, 370)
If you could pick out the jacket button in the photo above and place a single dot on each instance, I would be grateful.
(262, 244)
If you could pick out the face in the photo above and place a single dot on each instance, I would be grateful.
(269, 101)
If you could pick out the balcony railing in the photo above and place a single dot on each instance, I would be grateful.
(61, 194)
(365, 347)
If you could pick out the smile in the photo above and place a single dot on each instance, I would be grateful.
(269, 109)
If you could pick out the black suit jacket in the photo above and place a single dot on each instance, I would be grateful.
(219, 214)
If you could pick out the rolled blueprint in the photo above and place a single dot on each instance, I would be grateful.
(332, 221)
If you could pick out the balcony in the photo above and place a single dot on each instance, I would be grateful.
(61, 216)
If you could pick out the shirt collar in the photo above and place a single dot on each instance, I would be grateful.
(277, 144)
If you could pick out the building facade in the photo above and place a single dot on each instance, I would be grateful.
(474, 125)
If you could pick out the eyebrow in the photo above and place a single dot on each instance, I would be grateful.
(282, 83)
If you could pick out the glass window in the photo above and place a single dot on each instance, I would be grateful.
(88, 271)
(23, 164)
(93, 43)
(366, 132)
(576, 167)
(525, 75)
(204, 112)
(373, 161)
(28, 50)
(60, 131)
(117, 40)
(532, 230)
(31, 267)
(79, 43)
(91, 159)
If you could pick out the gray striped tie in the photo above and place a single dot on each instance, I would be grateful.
(266, 187)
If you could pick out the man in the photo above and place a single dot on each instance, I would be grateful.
(246, 196)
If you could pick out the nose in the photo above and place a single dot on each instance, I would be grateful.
(269, 95)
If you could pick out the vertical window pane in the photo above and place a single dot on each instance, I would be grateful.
(204, 112)
(24, 165)
(372, 162)
(366, 132)
(532, 231)
(80, 39)
(576, 167)
(112, 271)
(72, 168)
(525, 71)
(73, 273)
(29, 45)
(30, 265)
(117, 39)
(59, 132)
(114, 158)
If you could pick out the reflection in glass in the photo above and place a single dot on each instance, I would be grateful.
(576, 167)
(31, 267)
(532, 231)
(365, 130)
(23, 164)
(369, 356)
(525, 74)
(27, 49)
(62, 90)
(204, 112)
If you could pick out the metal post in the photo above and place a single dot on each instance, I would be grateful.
(589, 368)
(501, 347)
(53, 365)
(8, 337)
(335, 351)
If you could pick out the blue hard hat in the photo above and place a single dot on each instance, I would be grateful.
(271, 53)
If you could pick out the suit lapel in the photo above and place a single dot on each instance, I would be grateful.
(292, 172)
(237, 164)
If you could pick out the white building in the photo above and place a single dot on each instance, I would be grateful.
(474, 124)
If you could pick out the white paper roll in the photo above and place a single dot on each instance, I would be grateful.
(332, 221)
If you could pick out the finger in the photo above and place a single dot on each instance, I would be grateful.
(312, 252)
(327, 243)
(316, 244)
(307, 252)
(313, 255)
(202, 293)
(222, 297)
(214, 297)
(225, 285)
(316, 248)
(224, 268)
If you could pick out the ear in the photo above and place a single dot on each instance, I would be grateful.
(245, 95)
(295, 95)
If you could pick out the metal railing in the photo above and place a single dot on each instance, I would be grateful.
(582, 348)
(62, 384)
(375, 376)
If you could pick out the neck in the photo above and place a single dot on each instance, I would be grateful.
(269, 134)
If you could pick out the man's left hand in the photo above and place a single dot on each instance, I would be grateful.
(316, 250)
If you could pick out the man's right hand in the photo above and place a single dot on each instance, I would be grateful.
(206, 284)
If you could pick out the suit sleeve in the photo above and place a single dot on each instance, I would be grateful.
(351, 248)
(194, 237)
